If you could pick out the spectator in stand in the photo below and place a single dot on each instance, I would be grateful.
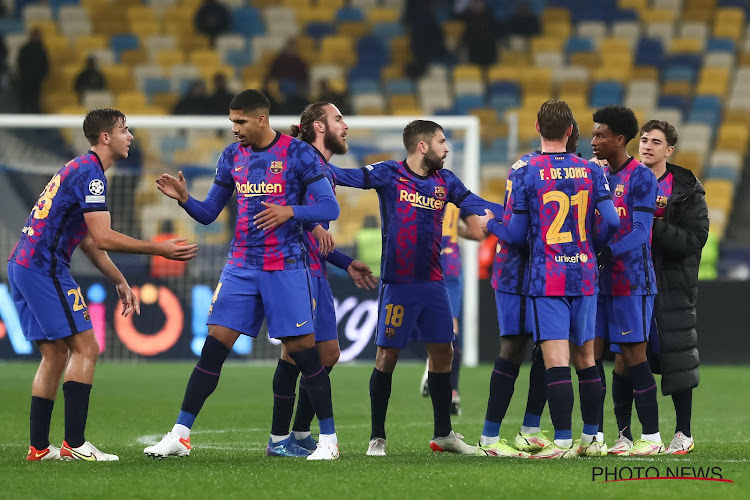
(296, 100)
(426, 35)
(218, 102)
(212, 19)
(33, 66)
(195, 101)
(90, 78)
(523, 22)
(339, 99)
(480, 34)
(289, 65)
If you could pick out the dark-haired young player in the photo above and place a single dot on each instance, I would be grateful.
(73, 210)
(553, 197)
(414, 303)
(266, 274)
(627, 284)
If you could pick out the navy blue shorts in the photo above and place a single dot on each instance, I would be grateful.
(414, 312)
(324, 310)
(455, 286)
(564, 318)
(49, 307)
(512, 314)
(624, 319)
(243, 297)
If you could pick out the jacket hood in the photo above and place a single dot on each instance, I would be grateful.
(685, 177)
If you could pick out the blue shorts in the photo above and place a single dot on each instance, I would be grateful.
(244, 297)
(511, 314)
(411, 312)
(455, 286)
(49, 307)
(564, 318)
(324, 310)
(624, 319)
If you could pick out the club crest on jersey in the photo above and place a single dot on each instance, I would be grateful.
(390, 332)
(620, 190)
(440, 192)
(661, 201)
(276, 167)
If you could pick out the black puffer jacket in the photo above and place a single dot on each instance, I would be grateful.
(677, 243)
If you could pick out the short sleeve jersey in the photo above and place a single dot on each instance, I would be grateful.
(559, 192)
(316, 261)
(56, 225)
(411, 210)
(664, 191)
(510, 265)
(450, 255)
(278, 174)
(634, 188)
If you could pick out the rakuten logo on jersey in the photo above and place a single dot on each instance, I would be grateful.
(420, 201)
(249, 190)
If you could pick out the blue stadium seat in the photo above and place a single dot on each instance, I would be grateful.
(56, 4)
(720, 45)
(239, 58)
(673, 101)
(120, 43)
(247, 21)
(679, 73)
(694, 61)
(399, 86)
(706, 109)
(742, 4)
(363, 86)
(319, 30)
(372, 51)
(170, 144)
(153, 85)
(579, 44)
(726, 173)
(9, 26)
(366, 72)
(604, 93)
(348, 13)
(503, 102)
(649, 52)
(387, 31)
(465, 103)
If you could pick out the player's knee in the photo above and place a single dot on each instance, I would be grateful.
(330, 357)
(386, 359)
(513, 349)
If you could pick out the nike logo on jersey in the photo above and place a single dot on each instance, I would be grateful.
(625, 333)
(300, 324)
(404, 179)
(237, 169)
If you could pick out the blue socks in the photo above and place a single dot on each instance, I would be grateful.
(284, 383)
(589, 390)
(560, 396)
(380, 393)
(644, 392)
(318, 386)
(40, 417)
(622, 397)
(203, 380)
(502, 384)
(76, 411)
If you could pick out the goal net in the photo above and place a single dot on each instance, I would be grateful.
(174, 297)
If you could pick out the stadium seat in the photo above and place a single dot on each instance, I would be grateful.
(685, 46)
(694, 30)
(247, 21)
(604, 93)
(706, 109)
(729, 22)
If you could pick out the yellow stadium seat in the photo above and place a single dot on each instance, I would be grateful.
(736, 116)
(487, 116)
(127, 101)
(338, 50)
(400, 50)
(179, 15)
(119, 78)
(208, 72)
(144, 29)
(453, 30)
(165, 100)
(382, 15)
(47, 27)
(744, 59)
(699, 14)
(204, 58)
(415, 110)
(193, 41)
(617, 60)
(467, 72)
(393, 72)
(616, 73)
(536, 80)
(632, 4)
(403, 101)
(589, 60)
(690, 160)
(91, 5)
(502, 72)
(515, 58)
(133, 57)
(681, 88)
(733, 137)
(645, 73)
(573, 88)
(713, 81)
(532, 100)
(729, 22)
(140, 13)
(719, 193)
(88, 42)
(73, 109)
(610, 46)
(559, 30)
(353, 29)
(53, 102)
(306, 48)
(318, 14)
(651, 16)
(168, 58)
(546, 44)
(574, 100)
(686, 45)
(555, 15)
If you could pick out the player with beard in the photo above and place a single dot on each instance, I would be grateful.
(323, 127)
(414, 303)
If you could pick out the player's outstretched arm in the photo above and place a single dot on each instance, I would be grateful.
(351, 177)
(324, 238)
(362, 276)
(609, 225)
(204, 211)
(104, 264)
(107, 239)
(324, 208)
(471, 229)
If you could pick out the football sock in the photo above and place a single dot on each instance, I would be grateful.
(589, 391)
(683, 408)
(644, 393)
(537, 397)
(622, 397)
(440, 393)
(305, 412)
(300, 435)
(560, 397)
(203, 380)
(318, 386)
(380, 393)
(40, 417)
(455, 367)
(502, 383)
(76, 411)
(600, 366)
(284, 382)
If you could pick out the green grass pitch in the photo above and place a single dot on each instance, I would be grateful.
(132, 405)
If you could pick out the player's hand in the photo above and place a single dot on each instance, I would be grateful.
(174, 188)
(484, 219)
(325, 240)
(128, 299)
(272, 216)
(174, 249)
(601, 163)
(604, 257)
(362, 276)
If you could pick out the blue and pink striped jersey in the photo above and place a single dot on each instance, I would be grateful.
(316, 261)
(56, 225)
(634, 188)
(450, 255)
(559, 192)
(664, 191)
(278, 174)
(510, 265)
(411, 211)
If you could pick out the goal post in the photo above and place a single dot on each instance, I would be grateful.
(463, 137)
